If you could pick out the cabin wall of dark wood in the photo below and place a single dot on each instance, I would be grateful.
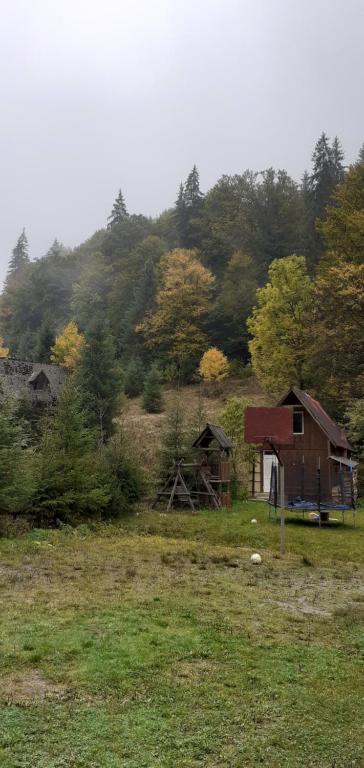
(301, 462)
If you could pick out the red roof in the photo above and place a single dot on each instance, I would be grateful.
(336, 435)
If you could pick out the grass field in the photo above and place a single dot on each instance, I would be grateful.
(156, 643)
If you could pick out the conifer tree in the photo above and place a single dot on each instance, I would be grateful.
(56, 249)
(193, 201)
(134, 378)
(174, 439)
(119, 211)
(20, 255)
(16, 461)
(192, 194)
(180, 216)
(44, 343)
(152, 394)
(337, 161)
(188, 209)
(327, 172)
(100, 380)
(140, 306)
(323, 176)
(361, 154)
(70, 479)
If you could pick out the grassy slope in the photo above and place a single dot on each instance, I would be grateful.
(156, 643)
(145, 428)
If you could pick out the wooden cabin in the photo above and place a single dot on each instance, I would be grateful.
(318, 442)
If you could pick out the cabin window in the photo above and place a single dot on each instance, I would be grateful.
(298, 423)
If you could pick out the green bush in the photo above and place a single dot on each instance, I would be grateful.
(126, 478)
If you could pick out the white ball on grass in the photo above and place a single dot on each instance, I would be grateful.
(253, 520)
(256, 558)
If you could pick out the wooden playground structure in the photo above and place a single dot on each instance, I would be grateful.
(204, 482)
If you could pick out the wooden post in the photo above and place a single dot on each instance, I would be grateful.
(319, 490)
(282, 502)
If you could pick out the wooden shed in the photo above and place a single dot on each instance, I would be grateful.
(318, 442)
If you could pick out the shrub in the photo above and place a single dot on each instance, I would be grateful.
(126, 478)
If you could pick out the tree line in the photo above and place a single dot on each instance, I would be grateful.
(259, 267)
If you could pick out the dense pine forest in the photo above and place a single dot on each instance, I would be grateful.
(262, 268)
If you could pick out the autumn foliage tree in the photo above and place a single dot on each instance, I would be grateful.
(337, 328)
(68, 346)
(279, 323)
(175, 327)
(4, 351)
(214, 365)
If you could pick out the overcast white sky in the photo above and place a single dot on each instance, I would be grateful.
(102, 94)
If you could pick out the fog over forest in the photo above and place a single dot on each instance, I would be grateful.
(98, 96)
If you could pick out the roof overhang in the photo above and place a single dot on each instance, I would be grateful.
(343, 460)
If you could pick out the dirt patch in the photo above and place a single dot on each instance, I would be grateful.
(196, 670)
(301, 606)
(28, 687)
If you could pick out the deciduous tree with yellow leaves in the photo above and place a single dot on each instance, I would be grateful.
(67, 348)
(175, 327)
(214, 365)
(4, 351)
(279, 325)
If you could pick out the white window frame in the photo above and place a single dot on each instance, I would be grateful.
(298, 410)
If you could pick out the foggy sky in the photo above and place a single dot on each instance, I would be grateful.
(101, 94)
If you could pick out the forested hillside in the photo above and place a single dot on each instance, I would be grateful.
(168, 289)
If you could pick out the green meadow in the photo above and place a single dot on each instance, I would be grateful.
(155, 643)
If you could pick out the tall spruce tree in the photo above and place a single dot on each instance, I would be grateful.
(119, 211)
(193, 200)
(180, 216)
(134, 378)
(192, 194)
(20, 255)
(327, 172)
(152, 394)
(188, 209)
(44, 342)
(361, 154)
(337, 161)
(100, 380)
